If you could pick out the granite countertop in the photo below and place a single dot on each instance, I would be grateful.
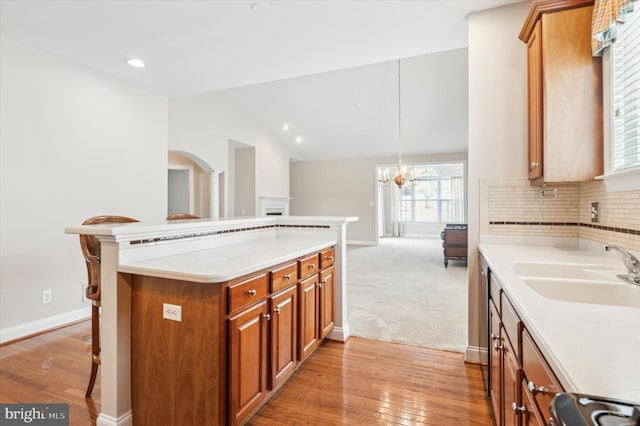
(228, 262)
(593, 348)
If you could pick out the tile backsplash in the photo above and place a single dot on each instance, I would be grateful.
(514, 207)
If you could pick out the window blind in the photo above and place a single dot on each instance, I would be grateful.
(626, 94)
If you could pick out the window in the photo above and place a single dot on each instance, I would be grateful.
(625, 57)
(437, 196)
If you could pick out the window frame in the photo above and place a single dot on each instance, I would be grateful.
(615, 180)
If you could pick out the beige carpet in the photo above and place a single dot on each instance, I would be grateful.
(400, 291)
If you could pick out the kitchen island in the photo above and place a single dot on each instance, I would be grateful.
(172, 294)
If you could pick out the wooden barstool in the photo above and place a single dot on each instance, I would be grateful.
(91, 250)
(178, 216)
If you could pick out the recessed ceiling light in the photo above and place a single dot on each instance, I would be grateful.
(299, 139)
(260, 8)
(285, 127)
(136, 63)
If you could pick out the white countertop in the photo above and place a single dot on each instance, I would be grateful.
(593, 348)
(230, 261)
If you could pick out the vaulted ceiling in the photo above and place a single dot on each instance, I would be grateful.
(328, 68)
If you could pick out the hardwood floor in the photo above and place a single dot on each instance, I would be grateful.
(362, 382)
(52, 368)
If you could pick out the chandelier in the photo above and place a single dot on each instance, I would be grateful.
(414, 174)
(399, 179)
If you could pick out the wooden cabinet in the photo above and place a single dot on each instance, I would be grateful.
(454, 242)
(504, 366)
(247, 361)
(564, 93)
(539, 382)
(522, 383)
(326, 290)
(236, 344)
(308, 316)
(284, 331)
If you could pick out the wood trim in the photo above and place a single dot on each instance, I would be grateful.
(540, 7)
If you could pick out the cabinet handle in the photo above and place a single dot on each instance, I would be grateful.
(536, 389)
(252, 292)
(329, 257)
(287, 277)
(319, 285)
(266, 316)
(276, 310)
(534, 165)
(312, 265)
(517, 409)
(497, 346)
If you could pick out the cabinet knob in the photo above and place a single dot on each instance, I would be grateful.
(276, 310)
(266, 316)
(494, 336)
(329, 257)
(312, 265)
(319, 285)
(517, 409)
(252, 292)
(534, 165)
(287, 277)
(497, 346)
(536, 389)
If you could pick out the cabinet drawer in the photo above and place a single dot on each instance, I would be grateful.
(308, 266)
(455, 236)
(455, 251)
(538, 375)
(284, 276)
(327, 257)
(511, 324)
(246, 292)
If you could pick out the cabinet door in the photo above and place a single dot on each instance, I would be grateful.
(510, 385)
(247, 361)
(495, 347)
(283, 335)
(534, 59)
(326, 293)
(308, 319)
(531, 415)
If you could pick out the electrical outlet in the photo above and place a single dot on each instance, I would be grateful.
(595, 212)
(172, 312)
(46, 296)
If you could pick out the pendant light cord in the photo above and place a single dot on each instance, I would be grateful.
(399, 123)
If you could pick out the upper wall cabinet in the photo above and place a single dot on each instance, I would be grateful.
(565, 92)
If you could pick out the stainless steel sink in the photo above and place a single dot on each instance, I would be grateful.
(585, 291)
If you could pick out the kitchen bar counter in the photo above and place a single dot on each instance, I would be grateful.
(593, 348)
(202, 251)
(225, 263)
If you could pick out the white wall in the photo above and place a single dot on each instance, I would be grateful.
(347, 188)
(205, 124)
(74, 144)
(497, 121)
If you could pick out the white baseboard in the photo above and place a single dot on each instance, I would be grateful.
(476, 354)
(341, 334)
(360, 243)
(44, 324)
(124, 420)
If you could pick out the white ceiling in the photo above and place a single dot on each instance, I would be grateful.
(345, 105)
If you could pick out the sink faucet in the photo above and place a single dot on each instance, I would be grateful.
(630, 261)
